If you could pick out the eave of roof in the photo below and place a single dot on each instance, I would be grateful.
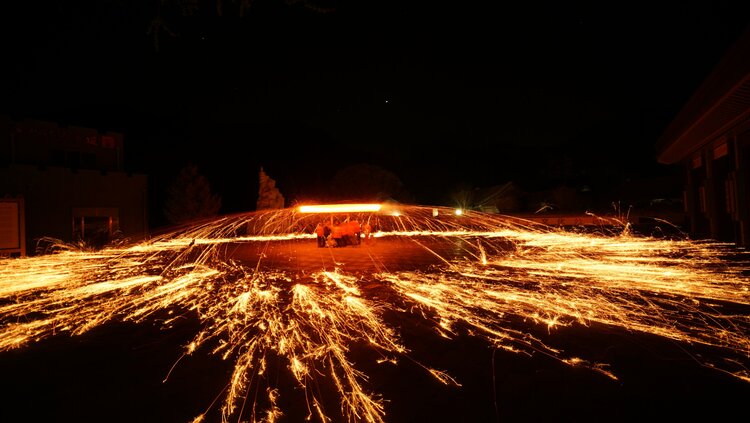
(721, 102)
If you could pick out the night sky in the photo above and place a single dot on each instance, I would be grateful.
(446, 95)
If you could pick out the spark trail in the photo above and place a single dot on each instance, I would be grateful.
(494, 277)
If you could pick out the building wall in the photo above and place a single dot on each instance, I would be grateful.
(72, 182)
(717, 189)
(742, 147)
(55, 197)
(43, 143)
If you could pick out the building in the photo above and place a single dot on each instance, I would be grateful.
(710, 139)
(71, 184)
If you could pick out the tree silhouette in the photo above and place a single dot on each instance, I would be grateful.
(171, 15)
(269, 196)
(368, 182)
(189, 197)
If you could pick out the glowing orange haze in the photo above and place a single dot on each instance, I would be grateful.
(504, 278)
(340, 208)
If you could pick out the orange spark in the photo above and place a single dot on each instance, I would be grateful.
(498, 278)
(340, 208)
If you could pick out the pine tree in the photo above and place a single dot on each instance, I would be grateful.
(269, 196)
(189, 197)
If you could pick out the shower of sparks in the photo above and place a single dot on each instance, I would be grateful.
(498, 278)
(340, 208)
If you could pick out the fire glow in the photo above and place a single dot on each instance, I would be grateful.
(498, 278)
(340, 208)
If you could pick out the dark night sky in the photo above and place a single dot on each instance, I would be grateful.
(442, 94)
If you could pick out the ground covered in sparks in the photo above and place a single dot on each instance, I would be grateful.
(436, 317)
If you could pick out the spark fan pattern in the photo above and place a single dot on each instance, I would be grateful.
(498, 278)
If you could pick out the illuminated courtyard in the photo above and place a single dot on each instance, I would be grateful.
(436, 317)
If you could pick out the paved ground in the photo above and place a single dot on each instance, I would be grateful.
(304, 254)
(116, 373)
(384, 253)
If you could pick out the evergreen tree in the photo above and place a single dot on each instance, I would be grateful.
(189, 197)
(269, 196)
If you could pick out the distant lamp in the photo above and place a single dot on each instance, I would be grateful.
(434, 212)
(459, 212)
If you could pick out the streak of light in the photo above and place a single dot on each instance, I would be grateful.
(340, 208)
(509, 282)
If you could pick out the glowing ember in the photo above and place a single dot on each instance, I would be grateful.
(340, 208)
(497, 278)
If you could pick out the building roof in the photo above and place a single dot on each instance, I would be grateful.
(720, 103)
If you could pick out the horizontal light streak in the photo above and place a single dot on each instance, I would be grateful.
(500, 280)
(340, 208)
